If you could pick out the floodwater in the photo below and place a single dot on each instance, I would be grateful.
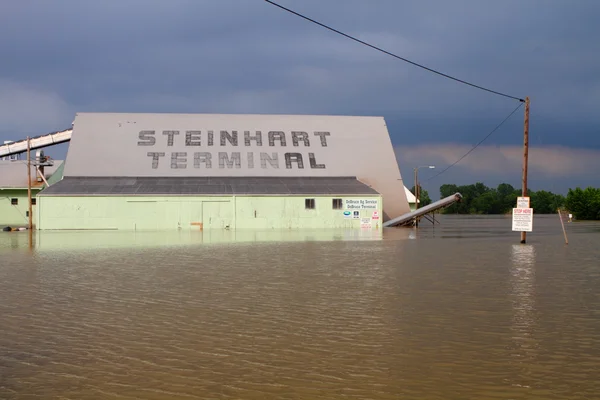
(459, 311)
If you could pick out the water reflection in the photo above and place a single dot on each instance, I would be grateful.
(522, 280)
(302, 315)
(52, 241)
(522, 284)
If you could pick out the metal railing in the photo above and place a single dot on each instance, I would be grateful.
(409, 217)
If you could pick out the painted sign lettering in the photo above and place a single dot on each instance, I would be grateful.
(202, 159)
(229, 138)
(196, 139)
(360, 204)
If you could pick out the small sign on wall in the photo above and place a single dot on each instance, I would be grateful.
(365, 223)
(360, 204)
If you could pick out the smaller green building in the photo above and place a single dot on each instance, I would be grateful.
(14, 205)
(410, 197)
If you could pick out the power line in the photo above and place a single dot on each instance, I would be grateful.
(392, 54)
(477, 145)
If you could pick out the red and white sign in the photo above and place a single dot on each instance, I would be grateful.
(522, 219)
(375, 215)
(365, 223)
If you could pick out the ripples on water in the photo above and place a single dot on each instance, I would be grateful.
(463, 311)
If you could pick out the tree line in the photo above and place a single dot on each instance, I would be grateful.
(584, 204)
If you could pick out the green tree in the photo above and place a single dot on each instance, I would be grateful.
(480, 199)
(448, 190)
(584, 204)
(487, 203)
(469, 193)
(424, 198)
(544, 202)
(507, 196)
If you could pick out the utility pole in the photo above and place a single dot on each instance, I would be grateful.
(416, 193)
(29, 182)
(525, 157)
(416, 188)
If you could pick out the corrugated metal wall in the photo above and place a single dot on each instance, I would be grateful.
(169, 213)
(16, 215)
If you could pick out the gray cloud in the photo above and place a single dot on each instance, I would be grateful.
(29, 110)
(552, 161)
(555, 168)
(190, 48)
(247, 56)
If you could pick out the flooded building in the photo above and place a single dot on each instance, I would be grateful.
(14, 201)
(225, 171)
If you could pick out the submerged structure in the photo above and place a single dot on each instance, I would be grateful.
(223, 171)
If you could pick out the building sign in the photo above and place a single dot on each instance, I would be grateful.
(360, 204)
(365, 223)
(522, 219)
(165, 145)
(347, 214)
(356, 215)
(375, 215)
(522, 202)
(209, 149)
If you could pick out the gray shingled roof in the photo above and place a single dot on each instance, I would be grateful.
(101, 186)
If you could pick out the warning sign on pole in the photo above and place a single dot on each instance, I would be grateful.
(522, 202)
(522, 219)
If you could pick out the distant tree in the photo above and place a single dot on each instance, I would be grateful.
(487, 203)
(448, 190)
(480, 199)
(584, 204)
(507, 196)
(469, 192)
(544, 202)
(424, 198)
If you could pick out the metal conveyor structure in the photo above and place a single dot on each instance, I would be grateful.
(409, 217)
(37, 142)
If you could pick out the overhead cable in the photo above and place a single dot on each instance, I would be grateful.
(392, 54)
(477, 145)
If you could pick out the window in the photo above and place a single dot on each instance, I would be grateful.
(33, 201)
(337, 204)
(14, 202)
(309, 204)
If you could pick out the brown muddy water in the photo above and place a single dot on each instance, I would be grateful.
(459, 311)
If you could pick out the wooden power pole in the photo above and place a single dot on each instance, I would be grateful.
(416, 193)
(525, 157)
(29, 183)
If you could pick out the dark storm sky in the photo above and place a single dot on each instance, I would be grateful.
(247, 56)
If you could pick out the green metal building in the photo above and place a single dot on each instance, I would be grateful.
(205, 203)
(14, 202)
(214, 171)
(410, 197)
